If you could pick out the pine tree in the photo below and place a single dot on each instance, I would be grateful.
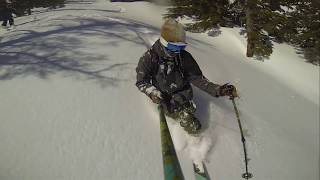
(293, 21)
(25, 6)
(206, 13)
(262, 20)
(214, 13)
(306, 34)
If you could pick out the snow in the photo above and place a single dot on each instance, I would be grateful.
(70, 110)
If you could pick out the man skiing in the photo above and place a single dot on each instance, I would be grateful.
(165, 74)
(7, 15)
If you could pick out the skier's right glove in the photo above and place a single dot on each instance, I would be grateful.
(156, 96)
(227, 90)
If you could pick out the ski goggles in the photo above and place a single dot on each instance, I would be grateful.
(175, 47)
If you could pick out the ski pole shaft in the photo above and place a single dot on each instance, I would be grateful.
(246, 175)
(238, 119)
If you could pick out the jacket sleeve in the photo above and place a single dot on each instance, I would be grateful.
(144, 74)
(194, 75)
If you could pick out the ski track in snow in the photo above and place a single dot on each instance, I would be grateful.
(70, 110)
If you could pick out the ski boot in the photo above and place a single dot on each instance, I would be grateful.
(190, 123)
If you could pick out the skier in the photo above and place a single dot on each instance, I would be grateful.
(165, 74)
(7, 15)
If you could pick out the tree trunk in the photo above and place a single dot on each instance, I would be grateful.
(250, 27)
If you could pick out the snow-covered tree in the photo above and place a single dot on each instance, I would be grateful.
(205, 13)
(305, 33)
(212, 13)
(25, 6)
(293, 21)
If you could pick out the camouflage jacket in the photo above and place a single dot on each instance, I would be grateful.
(172, 76)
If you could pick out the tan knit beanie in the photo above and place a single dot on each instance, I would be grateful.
(172, 31)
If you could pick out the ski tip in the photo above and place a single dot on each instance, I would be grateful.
(198, 167)
(200, 171)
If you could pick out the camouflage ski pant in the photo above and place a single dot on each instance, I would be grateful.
(185, 116)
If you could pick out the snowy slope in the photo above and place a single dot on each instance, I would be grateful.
(69, 108)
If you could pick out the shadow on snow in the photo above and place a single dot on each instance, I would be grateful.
(62, 50)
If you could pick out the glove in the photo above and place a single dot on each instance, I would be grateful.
(227, 90)
(156, 96)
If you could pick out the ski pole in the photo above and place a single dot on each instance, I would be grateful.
(245, 175)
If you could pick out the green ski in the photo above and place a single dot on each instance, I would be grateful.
(171, 165)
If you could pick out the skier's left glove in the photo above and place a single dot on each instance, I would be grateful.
(227, 90)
